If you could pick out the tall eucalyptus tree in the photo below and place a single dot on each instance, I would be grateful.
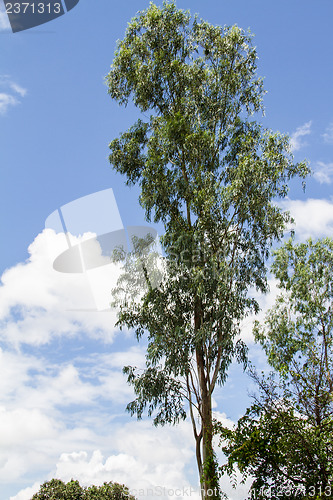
(209, 173)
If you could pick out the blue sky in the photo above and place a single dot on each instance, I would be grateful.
(62, 394)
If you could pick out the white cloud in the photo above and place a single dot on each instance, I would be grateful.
(313, 217)
(145, 458)
(41, 440)
(18, 89)
(10, 89)
(265, 301)
(15, 368)
(149, 460)
(38, 303)
(48, 409)
(4, 21)
(20, 425)
(296, 138)
(27, 437)
(157, 460)
(7, 100)
(26, 493)
(328, 135)
(323, 172)
(38, 384)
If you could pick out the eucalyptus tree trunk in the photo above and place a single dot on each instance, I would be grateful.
(209, 482)
(207, 468)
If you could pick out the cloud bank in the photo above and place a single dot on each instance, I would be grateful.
(63, 395)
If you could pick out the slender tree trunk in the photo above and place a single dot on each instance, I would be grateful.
(208, 477)
(198, 437)
(199, 461)
(207, 468)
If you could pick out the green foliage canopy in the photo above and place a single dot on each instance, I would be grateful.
(285, 440)
(58, 490)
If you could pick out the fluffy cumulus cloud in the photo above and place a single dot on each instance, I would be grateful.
(153, 463)
(147, 459)
(313, 217)
(296, 138)
(47, 409)
(38, 304)
(10, 91)
(26, 493)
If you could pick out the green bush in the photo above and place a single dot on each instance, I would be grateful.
(58, 490)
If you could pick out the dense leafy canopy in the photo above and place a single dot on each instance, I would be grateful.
(210, 174)
(285, 440)
(58, 490)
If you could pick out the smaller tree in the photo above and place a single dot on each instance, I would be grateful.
(108, 491)
(285, 439)
(58, 490)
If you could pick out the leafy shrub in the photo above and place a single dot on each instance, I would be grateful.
(58, 490)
